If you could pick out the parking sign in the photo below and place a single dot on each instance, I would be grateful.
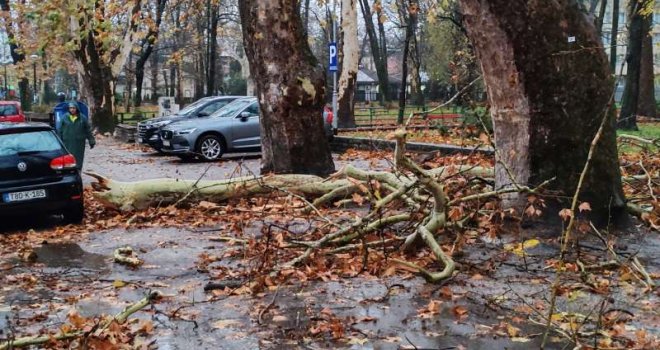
(332, 49)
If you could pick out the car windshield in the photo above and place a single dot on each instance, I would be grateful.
(28, 142)
(8, 110)
(191, 107)
(232, 108)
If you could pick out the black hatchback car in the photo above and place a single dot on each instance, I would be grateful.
(204, 107)
(37, 173)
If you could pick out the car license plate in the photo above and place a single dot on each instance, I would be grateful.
(24, 196)
(166, 143)
(139, 140)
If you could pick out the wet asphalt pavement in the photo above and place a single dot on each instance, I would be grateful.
(84, 269)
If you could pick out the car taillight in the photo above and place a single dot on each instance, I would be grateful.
(63, 162)
(328, 117)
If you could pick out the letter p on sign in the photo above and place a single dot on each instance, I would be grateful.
(332, 64)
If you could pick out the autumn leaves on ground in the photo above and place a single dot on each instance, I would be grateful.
(221, 272)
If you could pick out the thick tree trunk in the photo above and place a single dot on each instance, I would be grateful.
(290, 87)
(99, 82)
(543, 128)
(646, 106)
(629, 101)
(349, 67)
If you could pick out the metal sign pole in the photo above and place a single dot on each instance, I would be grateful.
(334, 74)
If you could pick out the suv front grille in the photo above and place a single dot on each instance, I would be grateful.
(142, 130)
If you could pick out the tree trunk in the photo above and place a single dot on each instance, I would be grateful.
(613, 35)
(212, 46)
(630, 99)
(601, 17)
(379, 61)
(349, 67)
(17, 55)
(646, 106)
(146, 48)
(542, 129)
(153, 66)
(98, 81)
(383, 77)
(415, 58)
(290, 87)
(139, 80)
(406, 17)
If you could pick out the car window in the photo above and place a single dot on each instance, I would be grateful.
(191, 107)
(231, 109)
(34, 141)
(212, 107)
(253, 109)
(8, 110)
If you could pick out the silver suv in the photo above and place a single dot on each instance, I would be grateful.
(234, 127)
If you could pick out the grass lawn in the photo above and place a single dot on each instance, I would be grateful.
(647, 130)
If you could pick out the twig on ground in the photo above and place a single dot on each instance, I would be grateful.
(272, 302)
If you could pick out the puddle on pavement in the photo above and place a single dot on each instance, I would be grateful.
(69, 255)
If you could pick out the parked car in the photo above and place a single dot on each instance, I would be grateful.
(204, 107)
(37, 173)
(232, 128)
(10, 111)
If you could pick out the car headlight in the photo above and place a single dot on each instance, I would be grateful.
(185, 131)
(160, 124)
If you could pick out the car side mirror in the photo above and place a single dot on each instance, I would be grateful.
(202, 114)
(245, 116)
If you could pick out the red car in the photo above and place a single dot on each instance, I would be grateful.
(10, 111)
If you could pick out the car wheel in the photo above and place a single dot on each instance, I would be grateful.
(210, 147)
(75, 213)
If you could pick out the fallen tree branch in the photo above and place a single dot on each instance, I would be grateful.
(126, 256)
(118, 318)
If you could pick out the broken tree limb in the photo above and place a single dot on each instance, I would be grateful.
(126, 256)
(128, 196)
(119, 318)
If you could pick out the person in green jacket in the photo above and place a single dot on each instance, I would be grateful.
(73, 131)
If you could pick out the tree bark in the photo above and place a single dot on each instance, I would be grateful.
(98, 82)
(212, 47)
(290, 88)
(542, 129)
(417, 95)
(349, 66)
(646, 106)
(146, 48)
(601, 17)
(613, 35)
(406, 17)
(630, 100)
(380, 61)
